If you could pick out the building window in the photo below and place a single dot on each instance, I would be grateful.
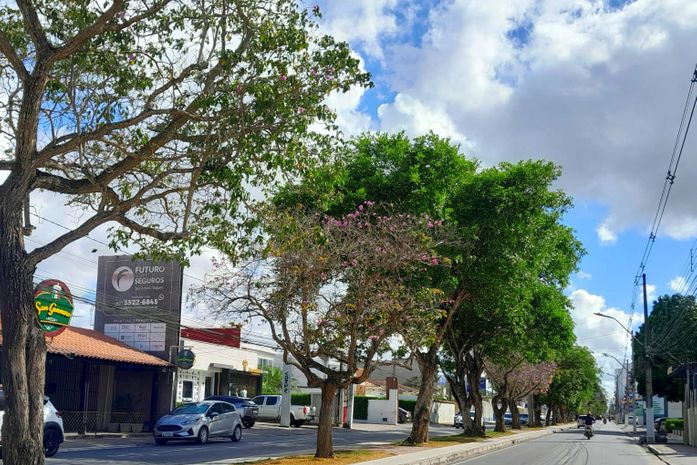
(187, 390)
(265, 362)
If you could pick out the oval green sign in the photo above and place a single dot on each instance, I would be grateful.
(185, 359)
(54, 306)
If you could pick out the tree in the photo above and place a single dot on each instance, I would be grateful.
(521, 258)
(575, 381)
(514, 380)
(416, 176)
(673, 322)
(333, 289)
(155, 116)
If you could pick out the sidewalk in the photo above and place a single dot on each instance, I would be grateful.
(453, 454)
(675, 454)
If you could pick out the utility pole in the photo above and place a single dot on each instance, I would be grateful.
(650, 435)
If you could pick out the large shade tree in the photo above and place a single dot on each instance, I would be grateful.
(416, 176)
(156, 116)
(671, 342)
(520, 249)
(333, 290)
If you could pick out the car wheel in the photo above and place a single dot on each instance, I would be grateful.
(236, 434)
(298, 423)
(202, 437)
(52, 441)
(249, 424)
(160, 441)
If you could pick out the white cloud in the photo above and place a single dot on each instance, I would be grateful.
(599, 334)
(605, 234)
(598, 91)
(678, 284)
(583, 275)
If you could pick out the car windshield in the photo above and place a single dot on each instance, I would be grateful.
(189, 409)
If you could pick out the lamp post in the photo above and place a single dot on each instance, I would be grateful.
(627, 388)
(650, 433)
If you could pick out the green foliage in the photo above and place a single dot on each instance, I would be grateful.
(360, 407)
(672, 424)
(272, 381)
(301, 399)
(673, 323)
(576, 383)
(407, 405)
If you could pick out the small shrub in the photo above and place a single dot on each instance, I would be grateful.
(672, 424)
(301, 399)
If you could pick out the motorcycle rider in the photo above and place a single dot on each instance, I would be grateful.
(589, 420)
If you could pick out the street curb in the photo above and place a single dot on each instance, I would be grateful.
(454, 454)
(75, 436)
(657, 454)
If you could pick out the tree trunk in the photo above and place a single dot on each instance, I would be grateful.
(23, 347)
(534, 410)
(325, 446)
(422, 410)
(500, 404)
(515, 414)
(475, 367)
(548, 417)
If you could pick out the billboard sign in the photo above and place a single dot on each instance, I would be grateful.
(139, 302)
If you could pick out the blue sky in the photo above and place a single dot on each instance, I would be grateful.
(595, 86)
(598, 87)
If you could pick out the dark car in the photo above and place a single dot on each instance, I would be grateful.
(404, 415)
(248, 409)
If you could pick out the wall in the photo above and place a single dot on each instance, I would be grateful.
(443, 412)
(383, 411)
(674, 410)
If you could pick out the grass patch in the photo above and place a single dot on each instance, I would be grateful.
(455, 439)
(342, 457)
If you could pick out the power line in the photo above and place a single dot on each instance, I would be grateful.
(678, 147)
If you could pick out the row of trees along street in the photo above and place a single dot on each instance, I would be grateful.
(160, 118)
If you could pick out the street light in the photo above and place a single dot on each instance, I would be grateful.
(648, 412)
(627, 384)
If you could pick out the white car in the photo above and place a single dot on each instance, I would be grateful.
(53, 425)
(199, 421)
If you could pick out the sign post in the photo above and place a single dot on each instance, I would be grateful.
(285, 395)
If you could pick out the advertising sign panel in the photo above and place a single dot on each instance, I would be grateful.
(54, 306)
(139, 302)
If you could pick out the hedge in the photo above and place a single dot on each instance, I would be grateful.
(301, 399)
(672, 424)
(408, 405)
(360, 406)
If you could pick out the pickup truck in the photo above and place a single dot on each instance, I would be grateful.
(270, 409)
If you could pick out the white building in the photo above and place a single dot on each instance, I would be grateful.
(223, 364)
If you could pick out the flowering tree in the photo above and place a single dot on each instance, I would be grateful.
(514, 380)
(155, 116)
(333, 289)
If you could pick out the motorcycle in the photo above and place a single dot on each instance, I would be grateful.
(588, 432)
(604, 421)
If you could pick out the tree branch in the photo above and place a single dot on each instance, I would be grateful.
(7, 50)
(42, 253)
(149, 231)
(34, 27)
(7, 165)
(86, 34)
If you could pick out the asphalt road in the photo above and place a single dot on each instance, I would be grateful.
(263, 440)
(609, 446)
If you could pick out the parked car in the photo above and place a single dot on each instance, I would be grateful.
(404, 415)
(199, 421)
(457, 420)
(248, 409)
(508, 419)
(53, 425)
(524, 419)
(270, 410)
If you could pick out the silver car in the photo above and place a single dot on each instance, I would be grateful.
(199, 421)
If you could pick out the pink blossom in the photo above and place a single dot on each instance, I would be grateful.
(283, 77)
(434, 261)
(372, 337)
(301, 110)
(354, 262)
(360, 207)
(238, 89)
(131, 56)
(430, 224)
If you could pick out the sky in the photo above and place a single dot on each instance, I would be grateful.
(597, 87)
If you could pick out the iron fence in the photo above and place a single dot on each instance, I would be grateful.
(86, 422)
